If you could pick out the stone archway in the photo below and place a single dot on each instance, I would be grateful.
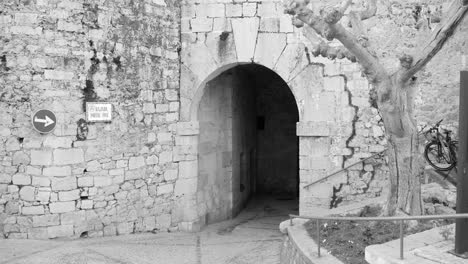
(247, 142)
(321, 89)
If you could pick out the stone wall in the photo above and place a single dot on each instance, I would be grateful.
(102, 178)
(152, 60)
(290, 253)
(244, 141)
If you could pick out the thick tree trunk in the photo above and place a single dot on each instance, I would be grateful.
(404, 158)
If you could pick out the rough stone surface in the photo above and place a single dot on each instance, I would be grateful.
(154, 67)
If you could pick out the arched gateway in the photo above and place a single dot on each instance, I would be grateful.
(207, 146)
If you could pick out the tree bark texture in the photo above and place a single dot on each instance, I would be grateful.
(404, 158)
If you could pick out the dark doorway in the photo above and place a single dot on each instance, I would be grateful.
(248, 144)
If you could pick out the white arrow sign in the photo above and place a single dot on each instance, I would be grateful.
(47, 121)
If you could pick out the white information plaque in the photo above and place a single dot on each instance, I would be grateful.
(98, 112)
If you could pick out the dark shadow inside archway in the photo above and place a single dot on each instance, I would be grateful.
(247, 145)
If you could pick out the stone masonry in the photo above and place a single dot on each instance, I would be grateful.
(152, 59)
(115, 178)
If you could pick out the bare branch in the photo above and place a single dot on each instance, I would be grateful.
(320, 47)
(356, 23)
(371, 65)
(457, 11)
(345, 5)
(370, 11)
(328, 28)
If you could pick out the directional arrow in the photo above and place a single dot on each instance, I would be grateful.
(47, 121)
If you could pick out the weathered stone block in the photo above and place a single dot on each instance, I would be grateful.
(21, 179)
(245, 37)
(102, 181)
(32, 210)
(149, 108)
(117, 172)
(188, 128)
(64, 184)
(76, 218)
(249, 9)
(12, 144)
(188, 169)
(38, 233)
(125, 228)
(165, 157)
(25, 18)
(233, 10)
(57, 171)
(270, 24)
(165, 189)
(60, 231)
(87, 204)
(152, 160)
(62, 207)
(21, 157)
(201, 24)
(314, 146)
(267, 9)
(58, 75)
(136, 162)
(170, 175)
(57, 142)
(46, 220)
(210, 10)
(185, 187)
(269, 48)
(164, 138)
(285, 24)
(27, 193)
(40, 181)
(68, 156)
(69, 195)
(41, 157)
(163, 221)
(26, 30)
(335, 83)
(5, 178)
(110, 230)
(43, 196)
(313, 129)
(71, 27)
(162, 108)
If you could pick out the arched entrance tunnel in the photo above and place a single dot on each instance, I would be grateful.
(248, 145)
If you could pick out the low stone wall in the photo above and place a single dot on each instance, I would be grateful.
(291, 254)
(299, 248)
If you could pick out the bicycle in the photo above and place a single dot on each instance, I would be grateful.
(441, 151)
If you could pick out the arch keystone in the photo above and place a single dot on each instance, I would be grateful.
(245, 36)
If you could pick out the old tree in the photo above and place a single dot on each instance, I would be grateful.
(393, 94)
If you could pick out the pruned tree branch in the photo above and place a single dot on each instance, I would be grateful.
(322, 48)
(370, 11)
(345, 5)
(327, 26)
(455, 14)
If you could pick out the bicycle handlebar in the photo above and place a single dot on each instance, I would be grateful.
(438, 123)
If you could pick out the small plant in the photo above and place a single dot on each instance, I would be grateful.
(446, 232)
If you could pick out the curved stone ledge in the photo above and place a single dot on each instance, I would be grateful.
(299, 248)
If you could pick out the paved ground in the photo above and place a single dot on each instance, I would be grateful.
(253, 237)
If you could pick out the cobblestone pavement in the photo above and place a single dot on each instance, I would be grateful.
(252, 237)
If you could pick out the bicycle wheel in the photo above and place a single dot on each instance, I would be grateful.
(439, 157)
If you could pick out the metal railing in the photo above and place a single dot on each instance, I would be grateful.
(318, 219)
(344, 169)
(421, 132)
